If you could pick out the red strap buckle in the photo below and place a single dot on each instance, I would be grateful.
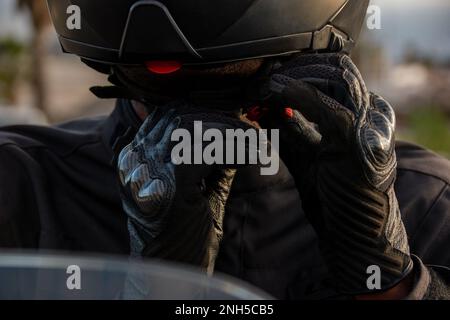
(163, 67)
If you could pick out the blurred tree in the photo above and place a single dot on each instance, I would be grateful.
(429, 126)
(40, 20)
(11, 60)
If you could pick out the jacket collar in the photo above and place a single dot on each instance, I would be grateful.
(120, 127)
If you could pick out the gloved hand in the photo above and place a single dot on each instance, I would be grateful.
(175, 211)
(338, 143)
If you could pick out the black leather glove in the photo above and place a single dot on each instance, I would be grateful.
(338, 143)
(175, 211)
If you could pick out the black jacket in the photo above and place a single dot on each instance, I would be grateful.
(58, 190)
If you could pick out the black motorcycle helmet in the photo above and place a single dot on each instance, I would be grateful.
(205, 31)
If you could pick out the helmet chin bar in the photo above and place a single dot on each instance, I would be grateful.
(137, 44)
(204, 32)
(327, 39)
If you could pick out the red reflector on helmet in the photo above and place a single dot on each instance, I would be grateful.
(163, 67)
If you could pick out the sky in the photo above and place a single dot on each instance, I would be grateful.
(423, 25)
(412, 3)
(11, 21)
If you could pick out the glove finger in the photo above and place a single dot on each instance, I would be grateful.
(294, 127)
(165, 143)
(384, 107)
(142, 188)
(347, 64)
(128, 159)
(301, 130)
(138, 177)
(150, 196)
(338, 90)
(298, 95)
(339, 83)
(299, 141)
(330, 60)
(378, 135)
(314, 71)
(334, 120)
(157, 131)
(338, 60)
(147, 126)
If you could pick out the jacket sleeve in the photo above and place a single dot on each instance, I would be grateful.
(19, 222)
(430, 282)
(432, 272)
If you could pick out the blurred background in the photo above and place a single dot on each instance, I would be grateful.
(407, 61)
